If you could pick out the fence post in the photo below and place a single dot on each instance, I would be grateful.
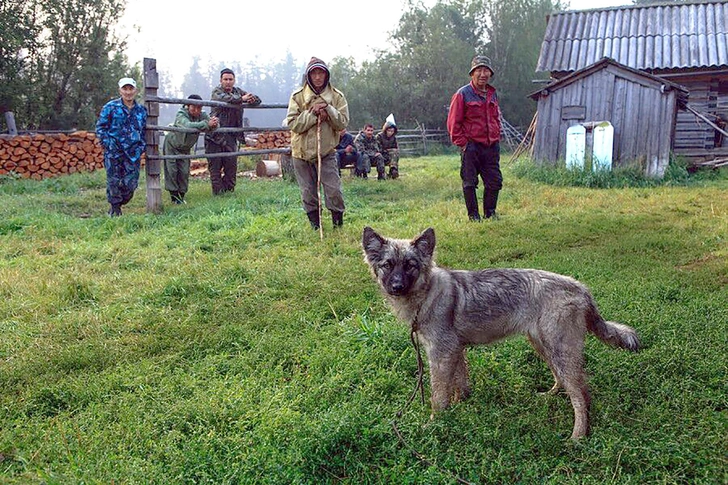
(424, 140)
(152, 167)
(10, 121)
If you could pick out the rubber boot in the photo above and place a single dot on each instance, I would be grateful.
(337, 218)
(115, 210)
(314, 219)
(393, 173)
(471, 203)
(490, 201)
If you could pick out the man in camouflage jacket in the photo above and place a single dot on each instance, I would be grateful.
(370, 152)
(120, 129)
(390, 149)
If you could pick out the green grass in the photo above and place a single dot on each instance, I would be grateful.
(222, 342)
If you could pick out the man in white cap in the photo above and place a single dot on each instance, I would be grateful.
(120, 129)
(474, 125)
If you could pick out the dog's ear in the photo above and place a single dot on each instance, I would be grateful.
(425, 242)
(372, 244)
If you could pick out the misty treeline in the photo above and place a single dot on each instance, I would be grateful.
(60, 60)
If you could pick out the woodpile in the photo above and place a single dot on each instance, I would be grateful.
(41, 156)
(273, 139)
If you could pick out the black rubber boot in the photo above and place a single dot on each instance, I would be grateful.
(337, 218)
(471, 203)
(490, 201)
(314, 219)
(115, 210)
(393, 173)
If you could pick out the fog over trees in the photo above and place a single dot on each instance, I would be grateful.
(60, 60)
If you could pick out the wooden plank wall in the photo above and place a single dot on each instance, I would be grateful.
(642, 116)
(694, 138)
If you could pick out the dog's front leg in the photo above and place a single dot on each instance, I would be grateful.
(442, 370)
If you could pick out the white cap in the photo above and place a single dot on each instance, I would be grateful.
(126, 80)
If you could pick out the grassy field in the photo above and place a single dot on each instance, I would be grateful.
(222, 342)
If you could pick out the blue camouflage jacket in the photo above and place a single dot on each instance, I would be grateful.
(121, 130)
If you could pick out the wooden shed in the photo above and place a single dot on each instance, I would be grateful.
(641, 108)
(685, 43)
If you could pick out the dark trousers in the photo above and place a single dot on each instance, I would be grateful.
(347, 159)
(223, 170)
(478, 160)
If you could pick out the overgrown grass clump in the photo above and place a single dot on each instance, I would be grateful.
(223, 342)
(676, 174)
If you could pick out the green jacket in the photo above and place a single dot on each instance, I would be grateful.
(303, 123)
(183, 142)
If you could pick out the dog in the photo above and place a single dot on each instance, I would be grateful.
(450, 310)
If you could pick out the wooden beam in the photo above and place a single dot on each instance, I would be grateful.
(202, 102)
(10, 121)
(153, 165)
(241, 153)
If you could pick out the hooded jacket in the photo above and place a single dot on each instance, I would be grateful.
(302, 122)
(387, 142)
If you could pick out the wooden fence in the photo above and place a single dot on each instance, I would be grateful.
(153, 133)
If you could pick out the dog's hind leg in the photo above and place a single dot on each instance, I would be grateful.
(569, 369)
(564, 353)
(542, 352)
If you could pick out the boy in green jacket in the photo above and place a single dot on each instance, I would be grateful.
(177, 171)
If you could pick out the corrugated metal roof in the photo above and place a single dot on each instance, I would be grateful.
(651, 37)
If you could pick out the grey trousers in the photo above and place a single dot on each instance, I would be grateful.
(306, 175)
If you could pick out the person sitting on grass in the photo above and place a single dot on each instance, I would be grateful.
(388, 143)
(370, 153)
(346, 154)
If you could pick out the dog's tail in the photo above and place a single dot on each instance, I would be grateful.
(613, 333)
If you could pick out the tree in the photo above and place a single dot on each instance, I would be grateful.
(69, 66)
(19, 33)
(416, 80)
(513, 33)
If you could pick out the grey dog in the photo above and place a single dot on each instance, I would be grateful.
(452, 309)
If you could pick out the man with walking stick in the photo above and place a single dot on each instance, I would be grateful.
(317, 112)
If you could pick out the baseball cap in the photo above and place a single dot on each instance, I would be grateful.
(126, 80)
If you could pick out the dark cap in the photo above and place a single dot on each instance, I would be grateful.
(227, 70)
(479, 61)
(194, 96)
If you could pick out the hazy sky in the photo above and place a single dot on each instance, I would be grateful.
(174, 32)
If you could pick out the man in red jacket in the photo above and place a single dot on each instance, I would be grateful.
(474, 125)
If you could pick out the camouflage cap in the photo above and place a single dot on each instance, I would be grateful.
(479, 61)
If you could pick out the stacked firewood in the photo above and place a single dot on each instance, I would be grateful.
(273, 139)
(41, 156)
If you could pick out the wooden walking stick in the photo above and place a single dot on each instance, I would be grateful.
(318, 185)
